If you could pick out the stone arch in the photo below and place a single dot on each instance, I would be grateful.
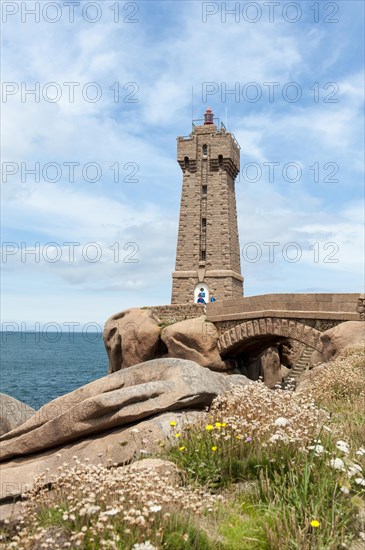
(269, 326)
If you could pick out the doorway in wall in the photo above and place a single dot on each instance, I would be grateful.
(201, 290)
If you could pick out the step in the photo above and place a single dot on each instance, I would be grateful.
(302, 363)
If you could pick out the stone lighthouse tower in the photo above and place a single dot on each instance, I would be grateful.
(208, 253)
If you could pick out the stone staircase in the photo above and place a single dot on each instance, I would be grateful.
(302, 363)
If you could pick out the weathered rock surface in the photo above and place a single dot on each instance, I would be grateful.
(119, 446)
(285, 372)
(266, 365)
(117, 400)
(195, 340)
(286, 355)
(134, 336)
(271, 366)
(13, 413)
(316, 359)
(131, 337)
(336, 339)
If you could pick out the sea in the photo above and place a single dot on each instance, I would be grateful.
(37, 367)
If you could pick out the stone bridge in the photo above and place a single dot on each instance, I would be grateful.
(255, 322)
(266, 329)
(259, 335)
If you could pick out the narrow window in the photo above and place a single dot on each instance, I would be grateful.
(186, 162)
(204, 189)
(202, 255)
(205, 150)
(220, 160)
(204, 222)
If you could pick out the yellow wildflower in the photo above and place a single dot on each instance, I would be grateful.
(177, 435)
(218, 424)
(181, 448)
(214, 448)
(209, 427)
(315, 523)
(172, 423)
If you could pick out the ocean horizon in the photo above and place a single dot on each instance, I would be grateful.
(37, 367)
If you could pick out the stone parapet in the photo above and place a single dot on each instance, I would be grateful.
(342, 316)
(169, 314)
(344, 306)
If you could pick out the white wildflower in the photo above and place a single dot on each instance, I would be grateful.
(144, 546)
(344, 490)
(361, 451)
(155, 508)
(343, 447)
(111, 512)
(281, 421)
(275, 437)
(360, 481)
(318, 449)
(92, 510)
(354, 470)
(337, 464)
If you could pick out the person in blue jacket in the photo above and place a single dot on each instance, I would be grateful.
(200, 299)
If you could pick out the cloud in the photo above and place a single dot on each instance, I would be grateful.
(159, 61)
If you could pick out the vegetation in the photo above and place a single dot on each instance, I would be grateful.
(165, 324)
(261, 469)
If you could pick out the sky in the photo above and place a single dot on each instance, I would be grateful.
(94, 95)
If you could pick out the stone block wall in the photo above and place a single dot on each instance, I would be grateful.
(218, 287)
(178, 312)
(341, 307)
(318, 324)
(208, 242)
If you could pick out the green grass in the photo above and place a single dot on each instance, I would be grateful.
(295, 488)
(307, 489)
(52, 516)
(181, 534)
(241, 524)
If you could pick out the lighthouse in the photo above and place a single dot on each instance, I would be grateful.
(208, 252)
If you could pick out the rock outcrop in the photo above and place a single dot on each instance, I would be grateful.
(117, 400)
(336, 339)
(316, 359)
(265, 364)
(13, 413)
(286, 354)
(114, 447)
(194, 340)
(136, 335)
(271, 366)
(285, 372)
(131, 337)
(110, 421)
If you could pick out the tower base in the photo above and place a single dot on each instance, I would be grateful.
(220, 284)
